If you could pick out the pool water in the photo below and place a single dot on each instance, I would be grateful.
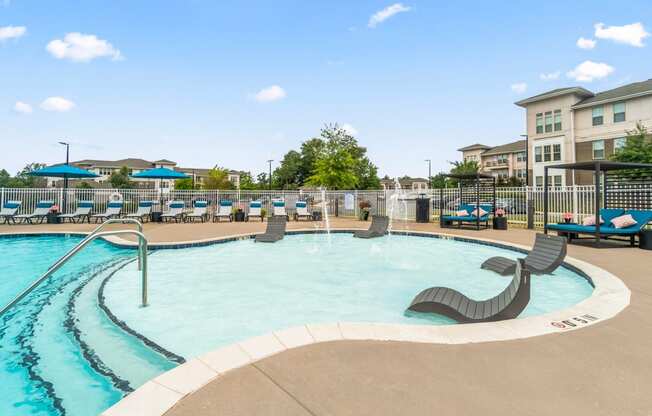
(60, 354)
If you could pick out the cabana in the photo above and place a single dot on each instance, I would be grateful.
(621, 189)
(475, 190)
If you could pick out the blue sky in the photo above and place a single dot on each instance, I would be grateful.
(236, 83)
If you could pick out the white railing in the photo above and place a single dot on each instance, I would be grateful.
(578, 200)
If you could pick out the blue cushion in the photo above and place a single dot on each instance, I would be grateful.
(609, 214)
(641, 217)
(12, 205)
(467, 218)
(470, 208)
(145, 204)
(44, 204)
(301, 204)
(279, 203)
(115, 204)
(590, 229)
(180, 204)
(255, 204)
(85, 204)
(201, 204)
(226, 203)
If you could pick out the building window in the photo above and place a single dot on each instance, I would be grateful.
(548, 121)
(537, 154)
(501, 159)
(520, 174)
(598, 115)
(598, 149)
(106, 171)
(619, 112)
(547, 153)
(557, 120)
(521, 157)
(556, 152)
(556, 180)
(539, 123)
(539, 180)
(619, 143)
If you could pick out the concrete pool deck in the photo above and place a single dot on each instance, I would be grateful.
(603, 369)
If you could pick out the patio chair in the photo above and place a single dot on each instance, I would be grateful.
(278, 209)
(144, 211)
(113, 210)
(40, 213)
(82, 212)
(224, 210)
(175, 211)
(275, 230)
(547, 254)
(378, 227)
(508, 304)
(255, 210)
(302, 211)
(9, 210)
(200, 211)
(468, 218)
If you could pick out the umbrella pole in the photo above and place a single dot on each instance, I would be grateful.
(65, 194)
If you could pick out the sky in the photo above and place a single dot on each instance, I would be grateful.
(235, 83)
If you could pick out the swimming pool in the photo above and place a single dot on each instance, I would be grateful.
(62, 344)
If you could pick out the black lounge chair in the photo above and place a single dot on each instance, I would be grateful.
(275, 230)
(378, 227)
(547, 254)
(451, 303)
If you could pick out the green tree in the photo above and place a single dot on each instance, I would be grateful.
(262, 181)
(218, 178)
(83, 185)
(439, 181)
(5, 179)
(247, 182)
(638, 146)
(185, 183)
(120, 179)
(289, 174)
(336, 166)
(467, 167)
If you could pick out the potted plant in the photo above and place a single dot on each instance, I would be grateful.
(53, 215)
(568, 217)
(364, 210)
(500, 221)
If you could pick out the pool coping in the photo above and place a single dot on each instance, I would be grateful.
(610, 296)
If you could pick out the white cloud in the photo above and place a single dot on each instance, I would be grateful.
(23, 108)
(584, 43)
(350, 129)
(269, 94)
(519, 87)
(588, 71)
(384, 14)
(632, 34)
(551, 76)
(11, 32)
(79, 47)
(58, 104)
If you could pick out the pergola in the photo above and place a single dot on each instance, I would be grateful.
(617, 185)
(474, 188)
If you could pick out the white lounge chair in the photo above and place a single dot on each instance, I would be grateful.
(113, 210)
(255, 210)
(40, 213)
(9, 210)
(278, 209)
(82, 212)
(224, 211)
(143, 212)
(175, 211)
(199, 211)
(302, 211)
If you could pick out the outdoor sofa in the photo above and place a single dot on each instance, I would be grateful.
(469, 218)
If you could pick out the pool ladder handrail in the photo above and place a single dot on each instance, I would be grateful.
(96, 233)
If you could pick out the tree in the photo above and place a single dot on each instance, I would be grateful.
(638, 146)
(120, 179)
(185, 183)
(336, 166)
(289, 174)
(247, 182)
(5, 179)
(467, 167)
(439, 181)
(218, 178)
(262, 181)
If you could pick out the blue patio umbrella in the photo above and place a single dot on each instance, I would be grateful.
(66, 172)
(160, 173)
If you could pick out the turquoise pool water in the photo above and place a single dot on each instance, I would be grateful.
(61, 354)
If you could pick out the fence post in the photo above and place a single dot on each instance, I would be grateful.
(529, 208)
(2, 197)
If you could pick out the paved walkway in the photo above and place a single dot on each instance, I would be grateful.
(604, 369)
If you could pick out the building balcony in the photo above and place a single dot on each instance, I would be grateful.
(496, 165)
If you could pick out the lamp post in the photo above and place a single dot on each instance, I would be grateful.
(527, 160)
(65, 177)
(270, 173)
(429, 172)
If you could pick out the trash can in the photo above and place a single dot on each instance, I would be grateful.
(645, 239)
(423, 209)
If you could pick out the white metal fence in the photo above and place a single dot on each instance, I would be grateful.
(578, 200)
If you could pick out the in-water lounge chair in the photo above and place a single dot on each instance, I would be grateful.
(199, 211)
(144, 211)
(378, 227)
(113, 210)
(175, 211)
(607, 229)
(275, 230)
(83, 212)
(302, 211)
(278, 209)
(9, 210)
(40, 213)
(449, 302)
(224, 210)
(468, 218)
(547, 254)
(255, 210)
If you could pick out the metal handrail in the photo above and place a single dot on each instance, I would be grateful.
(142, 263)
(117, 221)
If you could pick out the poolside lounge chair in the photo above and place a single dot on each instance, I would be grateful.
(175, 211)
(508, 304)
(224, 210)
(547, 254)
(143, 212)
(275, 230)
(302, 211)
(82, 212)
(607, 229)
(255, 210)
(278, 209)
(40, 213)
(9, 210)
(378, 227)
(113, 210)
(469, 218)
(200, 211)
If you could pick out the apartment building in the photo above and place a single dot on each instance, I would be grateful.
(503, 162)
(407, 183)
(574, 125)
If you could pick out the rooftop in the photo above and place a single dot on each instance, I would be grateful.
(476, 146)
(635, 89)
(582, 92)
(513, 147)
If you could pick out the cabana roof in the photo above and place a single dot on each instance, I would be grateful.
(602, 165)
(463, 176)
